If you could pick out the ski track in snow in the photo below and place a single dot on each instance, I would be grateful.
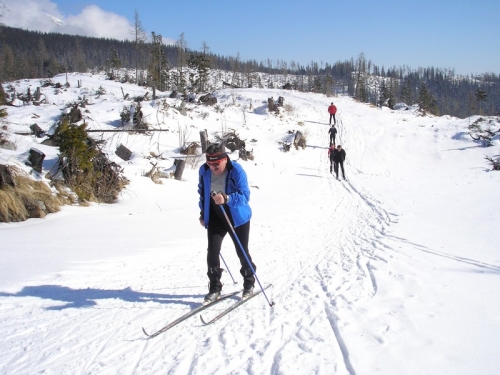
(349, 244)
(321, 292)
(341, 252)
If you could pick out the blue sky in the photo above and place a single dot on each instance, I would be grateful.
(458, 34)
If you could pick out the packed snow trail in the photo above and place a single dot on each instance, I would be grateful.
(314, 286)
(354, 293)
(338, 271)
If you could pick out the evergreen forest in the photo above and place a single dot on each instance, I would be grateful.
(30, 54)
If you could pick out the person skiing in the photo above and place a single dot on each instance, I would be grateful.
(228, 180)
(330, 155)
(338, 157)
(332, 131)
(332, 110)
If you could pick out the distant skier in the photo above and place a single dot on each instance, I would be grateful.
(330, 155)
(332, 110)
(333, 132)
(337, 156)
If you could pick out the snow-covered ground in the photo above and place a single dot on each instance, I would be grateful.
(394, 271)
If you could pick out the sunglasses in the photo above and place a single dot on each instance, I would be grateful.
(214, 163)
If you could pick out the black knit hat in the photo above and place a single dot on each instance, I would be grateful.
(215, 152)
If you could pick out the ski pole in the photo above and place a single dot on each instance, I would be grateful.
(271, 304)
(227, 268)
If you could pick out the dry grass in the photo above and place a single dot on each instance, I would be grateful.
(26, 198)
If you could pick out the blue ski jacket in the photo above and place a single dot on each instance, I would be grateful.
(236, 188)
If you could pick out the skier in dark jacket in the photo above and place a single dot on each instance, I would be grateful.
(333, 132)
(332, 110)
(337, 156)
(330, 156)
(219, 174)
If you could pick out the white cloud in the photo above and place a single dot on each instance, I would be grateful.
(43, 15)
(93, 21)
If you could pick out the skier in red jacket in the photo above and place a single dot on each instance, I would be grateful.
(332, 110)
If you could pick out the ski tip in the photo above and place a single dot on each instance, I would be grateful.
(147, 334)
(202, 320)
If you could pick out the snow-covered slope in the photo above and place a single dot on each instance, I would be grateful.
(394, 271)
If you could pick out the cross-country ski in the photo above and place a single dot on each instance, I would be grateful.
(189, 314)
(232, 307)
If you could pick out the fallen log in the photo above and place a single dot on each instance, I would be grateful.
(126, 130)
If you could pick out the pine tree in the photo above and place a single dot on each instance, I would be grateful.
(158, 66)
(113, 64)
(481, 96)
(235, 65)
(406, 93)
(9, 64)
(201, 64)
(42, 56)
(2, 94)
(78, 58)
(385, 95)
(426, 101)
(360, 93)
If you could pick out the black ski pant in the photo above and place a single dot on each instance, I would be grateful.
(336, 168)
(332, 139)
(216, 231)
(332, 115)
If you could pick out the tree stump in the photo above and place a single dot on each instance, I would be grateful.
(37, 94)
(35, 159)
(179, 168)
(299, 140)
(270, 104)
(208, 99)
(36, 131)
(123, 152)
(137, 119)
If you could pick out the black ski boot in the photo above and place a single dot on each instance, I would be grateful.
(211, 296)
(247, 291)
(215, 286)
(248, 281)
